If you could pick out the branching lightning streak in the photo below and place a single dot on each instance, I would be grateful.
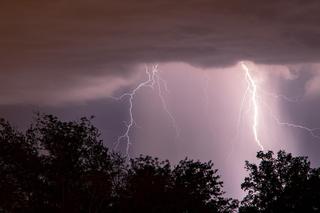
(311, 131)
(283, 97)
(252, 95)
(254, 102)
(153, 81)
(164, 104)
(131, 95)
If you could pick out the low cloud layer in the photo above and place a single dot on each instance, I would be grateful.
(53, 44)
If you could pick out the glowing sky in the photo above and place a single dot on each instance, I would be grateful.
(69, 57)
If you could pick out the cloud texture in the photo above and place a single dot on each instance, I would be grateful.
(64, 41)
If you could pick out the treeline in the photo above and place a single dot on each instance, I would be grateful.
(57, 166)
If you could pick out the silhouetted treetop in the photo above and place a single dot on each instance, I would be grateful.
(199, 188)
(190, 186)
(58, 166)
(19, 168)
(281, 183)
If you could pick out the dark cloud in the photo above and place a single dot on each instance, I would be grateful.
(54, 41)
(90, 34)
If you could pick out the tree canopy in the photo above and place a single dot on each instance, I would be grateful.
(58, 166)
(190, 186)
(281, 183)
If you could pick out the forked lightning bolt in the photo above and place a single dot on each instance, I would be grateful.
(251, 95)
(155, 82)
(254, 102)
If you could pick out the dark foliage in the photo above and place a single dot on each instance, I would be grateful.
(58, 166)
(64, 167)
(190, 186)
(281, 184)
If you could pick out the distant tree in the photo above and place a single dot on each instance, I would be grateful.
(281, 184)
(191, 186)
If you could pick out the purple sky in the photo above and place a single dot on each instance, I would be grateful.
(69, 57)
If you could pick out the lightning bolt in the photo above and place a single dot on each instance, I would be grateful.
(252, 95)
(254, 102)
(252, 86)
(164, 103)
(311, 131)
(154, 82)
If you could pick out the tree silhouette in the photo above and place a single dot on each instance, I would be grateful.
(199, 189)
(19, 169)
(147, 186)
(80, 171)
(190, 186)
(58, 166)
(281, 184)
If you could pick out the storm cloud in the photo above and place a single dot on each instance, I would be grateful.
(50, 46)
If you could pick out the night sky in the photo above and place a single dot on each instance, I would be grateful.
(73, 58)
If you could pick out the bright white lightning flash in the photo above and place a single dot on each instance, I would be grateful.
(154, 82)
(254, 101)
(252, 95)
